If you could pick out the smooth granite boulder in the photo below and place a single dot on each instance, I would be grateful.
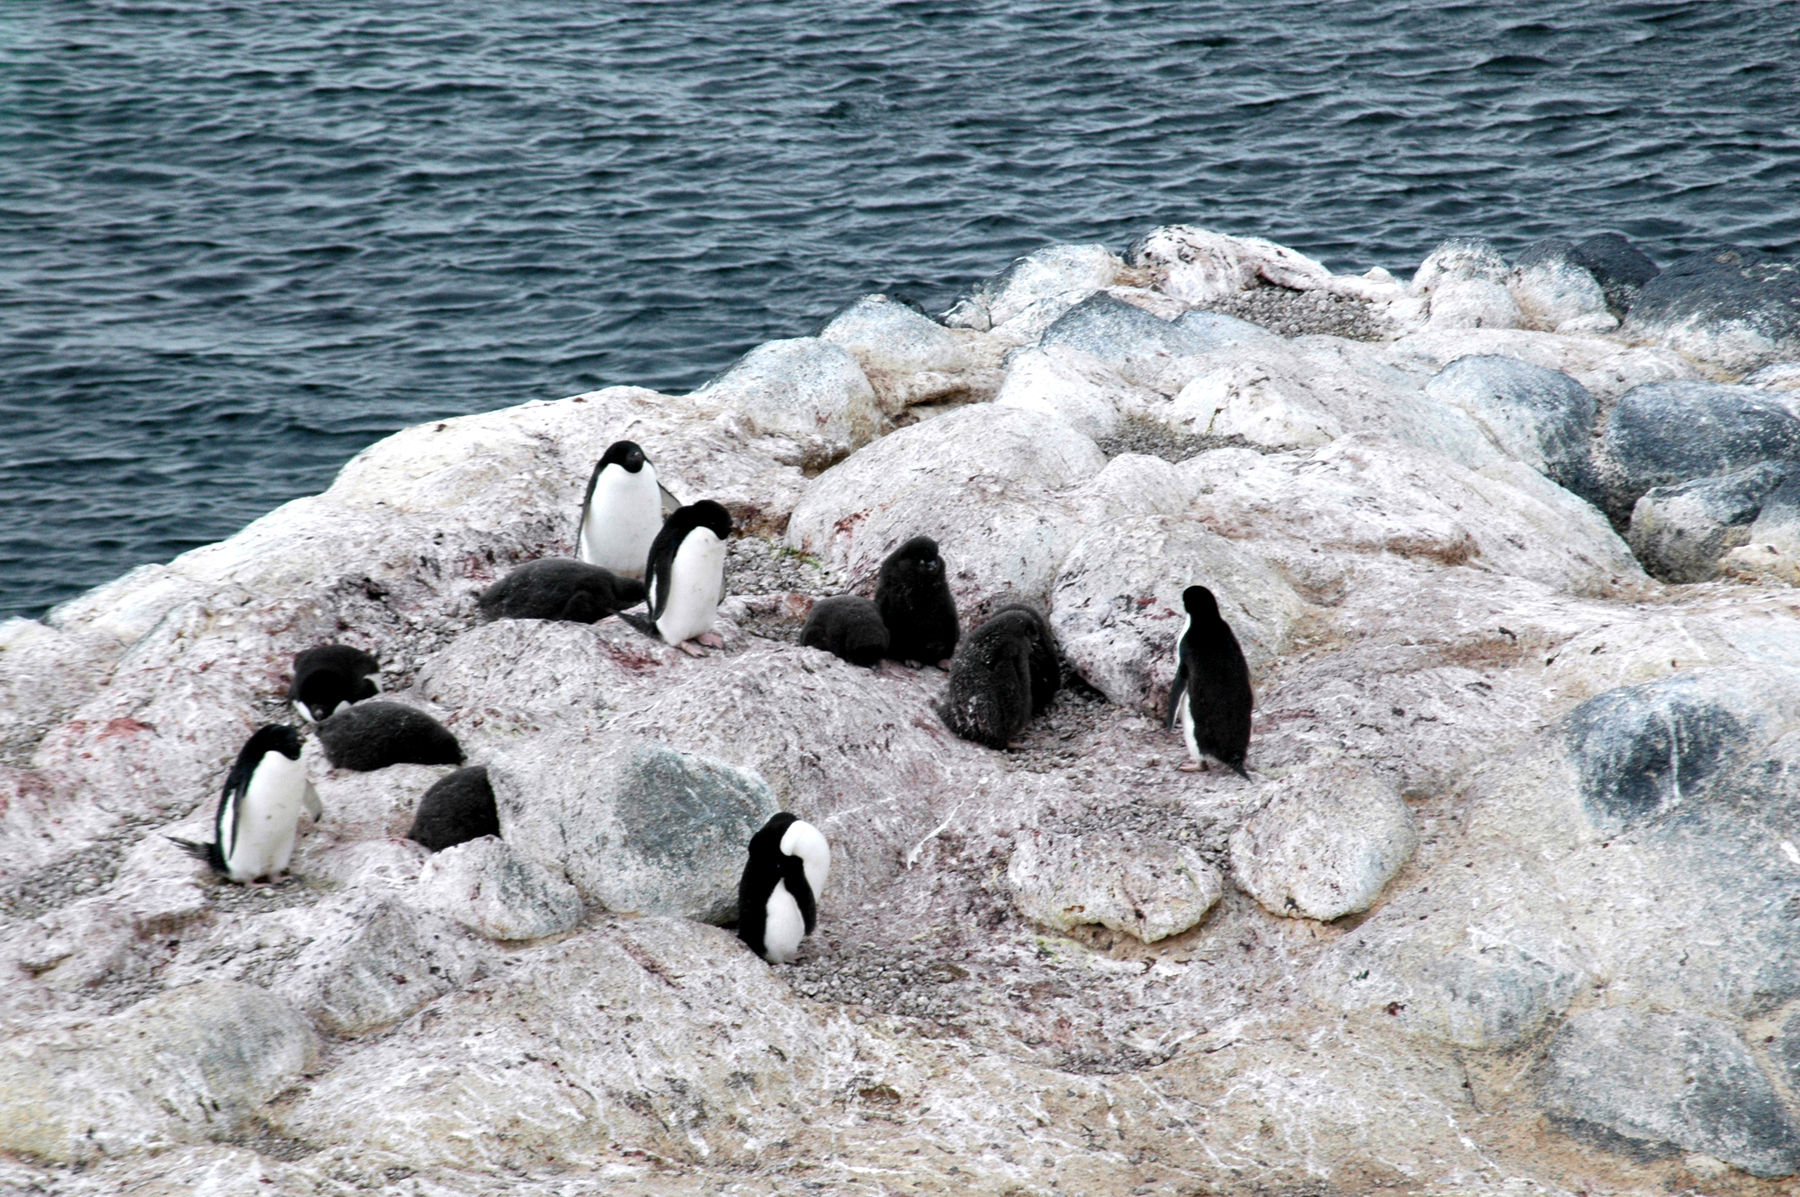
(1072, 385)
(638, 827)
(808, 390)
(382, 961)
(1618, 266)
(1734, 308)
(1555, 292)
(1680, 532)
(1149, 890)
(1540, 417)
(1463, 281)
(489, 888)
(1667, 1081)
(1664, 433)
(1067, 272)
(907, 356)
(1143, 349)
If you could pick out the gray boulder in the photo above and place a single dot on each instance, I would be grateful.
(1069, 272)
(1663, 1080)
(1735, 308)
(637, 827)
(1147, 889)
(1663, 433)
(907, 356)
(493, 891)
(1555, 293)
(807, 390)
(1540, 417)
(1142, 348)
(360, 974)
(1680, 532)
(1618, 266)
(1463, 281)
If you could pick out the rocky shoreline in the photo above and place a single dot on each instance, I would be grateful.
(1507, 906)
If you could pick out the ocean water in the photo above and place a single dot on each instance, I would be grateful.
(240, 241)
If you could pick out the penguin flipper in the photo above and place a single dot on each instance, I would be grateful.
(310, 799)
(670, 504)
(793, 873)
(1175, 690)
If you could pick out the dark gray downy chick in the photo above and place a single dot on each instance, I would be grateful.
(991, 699)
(374, 735)
(456, 809)
(913, 596)
(1211, 698)
(329, 676)
(1045, 659)
(560, 588)
(847, 626)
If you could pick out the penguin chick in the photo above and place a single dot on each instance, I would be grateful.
(623, 509)
(374, 735)
(329, 676)
(559, 588)
(253, 828)
(1211, 696)
(990, 699)
(847, 626)
(778, 895)
(457, 808)
(1045, 660)
(686, 574)
(913, 595)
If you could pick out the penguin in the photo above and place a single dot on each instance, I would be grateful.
(991, 697)
(457, 808)
(1211, 696)
(559, 588)
(328, 676)
(253, 829)
(374, 735)
(686, 576)
(847, 626)
(622, 511)
(778, 895)
(914, 598)
(1045, 662)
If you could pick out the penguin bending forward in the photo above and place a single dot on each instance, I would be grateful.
(329, 676)
(778, 895)
(621, 513)
(253, 829)
(686, 576)
(914, 598)
(1211, 697)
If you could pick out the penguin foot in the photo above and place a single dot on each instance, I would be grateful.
(711, 639)
(1190, 767)
(944, 664)
(691, 649)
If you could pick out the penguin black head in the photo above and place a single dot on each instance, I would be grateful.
(624, 454)
(275, 737)
(328, 676)
(921, 552)
(704, 514)
(1200, 603)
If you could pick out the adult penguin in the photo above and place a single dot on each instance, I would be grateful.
(622, 511)
(329, 676)
(778, 895)
(686, 576)
(253, 827)
(914, 599)
(1211, 697)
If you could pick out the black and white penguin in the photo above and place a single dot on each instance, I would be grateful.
(1211, 697)
(847, 626)
(259, 809)
(686, 575)
(328, 676)
(622, 511)
(778, 896)
(1045, 660)
(456, 809)
(560, 588)
(913, 595)
(374, 735)
(991, 696)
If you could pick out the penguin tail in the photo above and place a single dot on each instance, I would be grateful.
(1240, 770)
(203, 852)
(642, 623)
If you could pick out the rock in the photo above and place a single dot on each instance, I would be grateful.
(1055, 271)
(1555, 293)
(639, 828)
(530, 673)
(383, 962)
(1464, 282)
(1605, 367)
(1660, 1079)
(1772, 550)
(1210, 332)
(806, 389)
(1666, 433)
(907, 357)
(1618, 266)
(45, 673)
(1073, 386)
(1116, 607)
(193, 1064)
(1680, 532)
(1263, 406)
(493, 891)
(1780, 376)
(1142, 349)
(1736, 309)
(1325, 843)
(1203, 267)
(1542, 418)
(1147, 889)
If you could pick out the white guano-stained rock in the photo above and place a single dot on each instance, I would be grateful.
(907, 357)
(806, 389)
(1145, 888)
(493, 891)
(1068, 273)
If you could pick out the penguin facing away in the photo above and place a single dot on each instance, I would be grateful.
(778, 895)
(253, 828)
(1045, 661)
(1211, 697)
(328, 676)
(457, 808)
(559, 588)
(991, 695)
(686, 576)
(374, 735)
(914, 598)
(847, 626)
(623, 509)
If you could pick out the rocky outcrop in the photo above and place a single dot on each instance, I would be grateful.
(1664, 434)
(1736, 309)
(1147, 890)
(1680, 532)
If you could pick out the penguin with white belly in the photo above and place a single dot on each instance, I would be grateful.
(778, 896)
(622, 512)
(259, 809)
(686, 576)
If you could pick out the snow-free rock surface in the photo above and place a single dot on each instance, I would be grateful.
(1506, 905)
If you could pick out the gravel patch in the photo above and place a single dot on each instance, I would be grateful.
(1153, 438)
(1306, 313)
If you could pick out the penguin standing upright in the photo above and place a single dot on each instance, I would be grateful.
(253, 829)
(992, 696)
(686, 575)
(622, 511)
(914, 598)
(328, 676)
(1211, 697)
(778, 895)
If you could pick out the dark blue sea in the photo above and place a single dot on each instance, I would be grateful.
(241, 241)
